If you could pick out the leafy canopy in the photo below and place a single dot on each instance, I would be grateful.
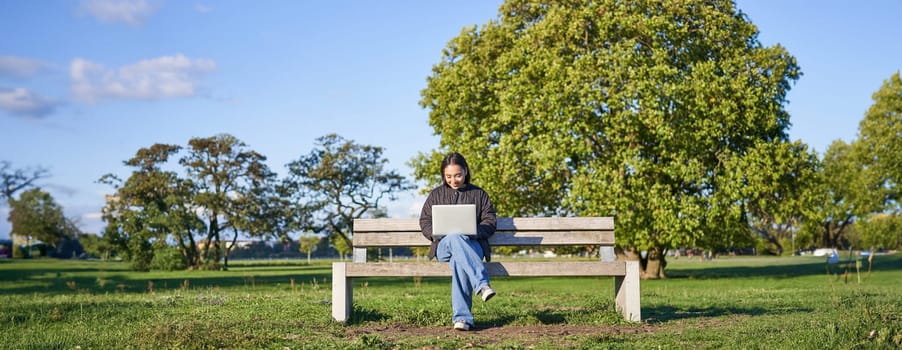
(37, 215)
(880, 143)
(226, 189)
(337, 182)
(643, 110)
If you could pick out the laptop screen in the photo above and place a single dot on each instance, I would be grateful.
(451, 219)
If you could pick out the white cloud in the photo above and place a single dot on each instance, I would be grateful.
(26, 103)
(131, 12)
(202, 8)
(92, 216)
(156, 78)
(19, 68)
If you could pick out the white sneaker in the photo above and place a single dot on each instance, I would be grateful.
(486, 293)
(461, 326)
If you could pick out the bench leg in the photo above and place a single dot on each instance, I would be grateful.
(342, 293)
(626, 291)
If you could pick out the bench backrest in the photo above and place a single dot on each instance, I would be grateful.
(550, 231)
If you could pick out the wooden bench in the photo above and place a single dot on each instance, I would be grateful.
(510, 232)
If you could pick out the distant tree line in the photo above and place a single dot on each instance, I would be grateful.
(198, 205)
(186, 207)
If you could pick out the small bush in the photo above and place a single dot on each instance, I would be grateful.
(19, 252)
(168, 259)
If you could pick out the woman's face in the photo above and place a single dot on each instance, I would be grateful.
(454, 176)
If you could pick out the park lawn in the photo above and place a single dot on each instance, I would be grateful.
(727, 303)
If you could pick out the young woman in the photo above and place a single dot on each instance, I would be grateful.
(463, 253)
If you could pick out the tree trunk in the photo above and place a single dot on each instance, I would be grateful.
(215, 242)
(228, 249)
(776, 242)
(653, 263)
(194, 253)
(833, 233)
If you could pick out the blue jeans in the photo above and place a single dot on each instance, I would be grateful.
(468, 274)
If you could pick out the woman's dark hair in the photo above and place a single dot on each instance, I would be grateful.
(457, 159)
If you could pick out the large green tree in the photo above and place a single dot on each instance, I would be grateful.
(337, 182)
(233, 187)
(226, 189)
(641, 110)
(859, 181)
(879, 144)
(36, 214)
(777, 181)
(152, 205)
(13, 180)
(841, 195)
(878, 152)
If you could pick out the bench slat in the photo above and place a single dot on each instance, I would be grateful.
(416, 239)
(436, 269)
(503, 224)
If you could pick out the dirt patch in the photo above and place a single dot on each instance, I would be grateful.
(489, 335)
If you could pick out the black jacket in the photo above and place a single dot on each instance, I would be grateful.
(470, 194)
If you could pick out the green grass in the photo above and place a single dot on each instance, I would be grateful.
(728, 303)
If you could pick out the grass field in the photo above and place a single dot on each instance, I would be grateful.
(727, 303)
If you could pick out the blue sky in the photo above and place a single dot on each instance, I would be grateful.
(85, 83)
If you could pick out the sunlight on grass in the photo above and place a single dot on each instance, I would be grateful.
(734, 303)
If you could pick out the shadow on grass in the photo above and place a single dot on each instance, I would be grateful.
(784, 271)
(666, 313)
(651, 315)
(550, 317)
(363, 315)
(13, 272)
(712, 271)
(241, 264)
(52, 276)
(135, 283)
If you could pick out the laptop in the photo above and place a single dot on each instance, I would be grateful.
(455, 218)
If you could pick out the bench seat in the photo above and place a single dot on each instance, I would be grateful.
(439, 269)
